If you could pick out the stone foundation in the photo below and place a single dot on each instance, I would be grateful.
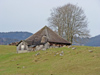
(22, 51)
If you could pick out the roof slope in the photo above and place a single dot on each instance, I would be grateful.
(51, 36)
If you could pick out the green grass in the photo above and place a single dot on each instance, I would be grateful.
(74, 62)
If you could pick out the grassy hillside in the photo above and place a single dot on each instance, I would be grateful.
(74, 62)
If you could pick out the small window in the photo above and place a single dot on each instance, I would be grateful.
(22, 47)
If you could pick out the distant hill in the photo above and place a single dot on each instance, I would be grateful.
(6, 41)
(9, 37)
(94, 41)
(80, 41)
(15, 35)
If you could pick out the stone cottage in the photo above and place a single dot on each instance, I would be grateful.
(41, 40)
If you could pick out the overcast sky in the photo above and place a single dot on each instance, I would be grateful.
(32, 15)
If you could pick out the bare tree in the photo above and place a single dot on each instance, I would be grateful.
(69, 21)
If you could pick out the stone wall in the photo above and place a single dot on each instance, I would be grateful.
(41, 47)
(22, 51)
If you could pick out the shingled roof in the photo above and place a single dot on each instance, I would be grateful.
(51, 37)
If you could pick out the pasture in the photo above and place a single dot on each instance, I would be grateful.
(82, 60)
